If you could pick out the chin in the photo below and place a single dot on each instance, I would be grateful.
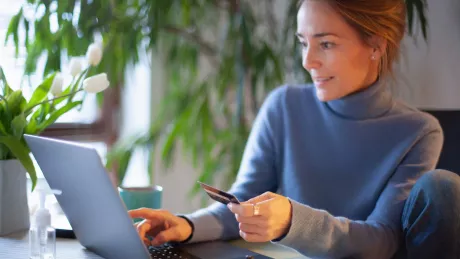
(326, 96)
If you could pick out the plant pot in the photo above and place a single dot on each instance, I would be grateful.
(14, 210)
(138, 197)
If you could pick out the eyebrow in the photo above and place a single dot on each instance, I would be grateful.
(318, 35)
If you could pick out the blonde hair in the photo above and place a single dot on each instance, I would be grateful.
(382, 18)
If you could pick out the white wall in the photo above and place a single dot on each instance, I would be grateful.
(431, 70)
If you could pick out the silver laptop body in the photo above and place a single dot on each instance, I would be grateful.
(94, 208)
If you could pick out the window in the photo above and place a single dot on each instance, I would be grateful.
(87, 126)
(93, 125)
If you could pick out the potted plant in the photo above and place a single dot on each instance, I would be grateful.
(207, 115)
(19, 116)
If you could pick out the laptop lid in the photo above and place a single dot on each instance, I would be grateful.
(91, 203)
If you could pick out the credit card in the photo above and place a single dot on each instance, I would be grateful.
(219, 195)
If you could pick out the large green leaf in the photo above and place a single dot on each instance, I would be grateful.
(41, 92)
(18, 125)
(16, 103)
(21, 152)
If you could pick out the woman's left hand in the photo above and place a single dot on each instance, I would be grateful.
(263, 218)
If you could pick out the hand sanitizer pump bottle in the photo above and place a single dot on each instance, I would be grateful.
(42, 237)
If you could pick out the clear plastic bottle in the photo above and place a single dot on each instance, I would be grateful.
(42, 243)
(42, 237)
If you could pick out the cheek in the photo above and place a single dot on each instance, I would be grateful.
(351, 70)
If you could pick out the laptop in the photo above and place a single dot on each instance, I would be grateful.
(96, 212)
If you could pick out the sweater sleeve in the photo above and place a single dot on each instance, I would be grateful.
(318, 234)
(257, 174)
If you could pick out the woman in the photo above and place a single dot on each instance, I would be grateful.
(352, 165)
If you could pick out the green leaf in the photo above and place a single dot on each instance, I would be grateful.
(31, 128)
(6, 87)
(53, 61)
(16, 103)
(410, 15)
(58, 113)
(123, 164)
(26, 31)
(34, 51)
(420, 6)
(151, 164)
(3, 129)
(179, 126)
(41, 92)
(13, 30)
(17, 126)
(44, 112)
(21, 152)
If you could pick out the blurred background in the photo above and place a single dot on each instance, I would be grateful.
(187, 78)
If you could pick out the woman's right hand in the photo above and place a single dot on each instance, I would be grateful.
(161, 225)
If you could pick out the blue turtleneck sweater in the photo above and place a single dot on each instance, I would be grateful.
(347, 167)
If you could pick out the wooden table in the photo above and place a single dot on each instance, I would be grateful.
(16, 246)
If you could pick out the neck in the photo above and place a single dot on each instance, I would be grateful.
(369, 102)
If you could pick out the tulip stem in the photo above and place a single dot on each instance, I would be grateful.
(83, 74)
(62, 96)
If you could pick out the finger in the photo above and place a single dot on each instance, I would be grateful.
(142, 229)
(156, 228)
(252, 229)
(252, 237)
(262, 197)
(255, 220)
(265, 208)
(145, 213)
(168, 235)
(245, 210)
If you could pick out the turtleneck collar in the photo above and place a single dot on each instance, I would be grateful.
(371, 102)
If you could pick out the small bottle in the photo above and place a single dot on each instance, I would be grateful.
(42, 237)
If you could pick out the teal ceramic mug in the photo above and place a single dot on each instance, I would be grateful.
(141, 197)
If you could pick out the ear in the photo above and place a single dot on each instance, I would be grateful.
(379, 46)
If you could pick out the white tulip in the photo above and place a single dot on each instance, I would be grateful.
(75, 67)
(96, 84)
(94, 54)
(56, 86)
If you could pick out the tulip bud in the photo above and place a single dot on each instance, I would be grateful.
(56, 86)
(75, 67)
(94, 54)
(96, 84)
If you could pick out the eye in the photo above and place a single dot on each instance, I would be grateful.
(327, 45)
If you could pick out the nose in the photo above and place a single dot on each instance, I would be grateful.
(309, 59)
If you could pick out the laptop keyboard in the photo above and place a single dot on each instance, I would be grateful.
(169, 252)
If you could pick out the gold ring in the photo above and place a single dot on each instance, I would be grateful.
(256, 210)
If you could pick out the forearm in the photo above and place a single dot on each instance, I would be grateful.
(318, 234)
(212, 223)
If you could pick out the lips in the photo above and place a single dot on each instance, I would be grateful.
(322, 80)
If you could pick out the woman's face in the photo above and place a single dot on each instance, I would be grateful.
(337, 59)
